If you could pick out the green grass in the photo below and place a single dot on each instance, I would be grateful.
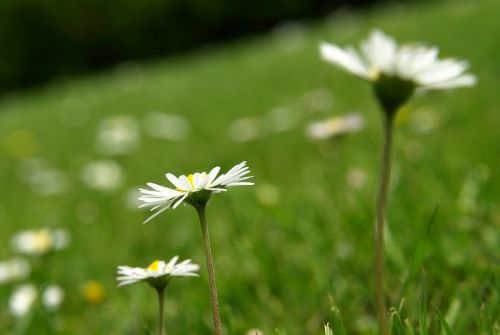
(280, 267)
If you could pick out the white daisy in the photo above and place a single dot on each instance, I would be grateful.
(335, 126)
(380, 56)
(193, 188)
(52, 297)
(158, 273)
(16, 268)
(40, 241)
(22, 299)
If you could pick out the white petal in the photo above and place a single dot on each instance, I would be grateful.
(462, 81)
(180, 201)
(348, 61)
(174, 180)
(441, 71)
(380, 51)
(213, 173)
(197, 180)
(186, 185)
(156, 214)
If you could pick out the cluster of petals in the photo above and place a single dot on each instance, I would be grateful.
(158, 269)
(160, 198)
(381, 55)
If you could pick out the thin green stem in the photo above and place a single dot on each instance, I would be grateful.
(210, 268)
(161, 304)
(385, 175)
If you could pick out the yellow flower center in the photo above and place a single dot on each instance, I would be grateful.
(374, 74)
(191, 181)
(42, 240)
(154, 266)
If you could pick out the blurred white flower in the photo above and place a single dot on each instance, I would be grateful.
(167, 126)
(158, 273)
(118, 135)
(380, 57)
(335, 126)
(104, 175)
(193, 188)
(52, 297)
(42, 177)
(13, 269)
(40, 241)
(254, 331)
(22, 299)
(245, 129)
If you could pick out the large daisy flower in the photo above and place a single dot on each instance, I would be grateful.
(158, 273)
(380, 56)
(192, 188)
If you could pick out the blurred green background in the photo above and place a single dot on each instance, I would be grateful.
(47, 39)
(73, 154)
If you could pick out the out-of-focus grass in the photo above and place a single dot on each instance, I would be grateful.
(279, 262)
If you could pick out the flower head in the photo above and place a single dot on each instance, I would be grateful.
(396, 70)
(52, 297)
(335, 126)
(40, 241)
(13, 269)
(158, 273)
(22, 299)
(195, 188)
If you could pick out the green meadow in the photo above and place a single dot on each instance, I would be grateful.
(295, 251)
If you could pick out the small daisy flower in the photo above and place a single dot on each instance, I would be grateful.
(195, 188)
(16, 268)
(52, 297)
(396, 70)
(335, 126)
(21, 301)
(40, 241)
(158, 273)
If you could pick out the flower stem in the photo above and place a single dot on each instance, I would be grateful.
(210, 268)
(381, 204)
(161, 304)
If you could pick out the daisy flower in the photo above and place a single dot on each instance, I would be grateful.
(40, 241)
(195, 188)
(397, 71)
(158, 273)
(13, 269)
(380, 55)
(22, 299)
(52, 297)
